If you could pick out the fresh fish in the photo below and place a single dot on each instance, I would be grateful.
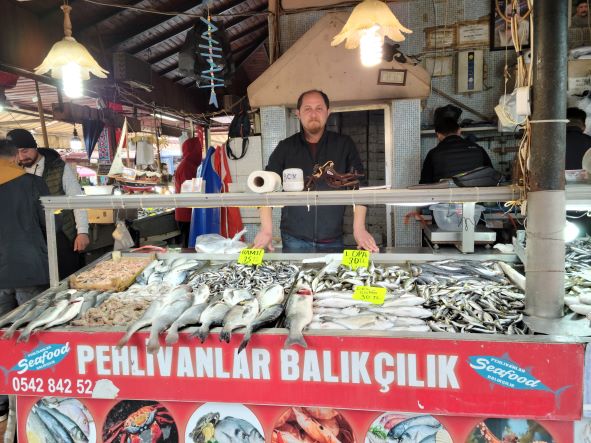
(337, 302)
(89, 302)
(213, 315)
(271, 295)
(404, 301)
(17, 313)
(367, 321)
(266, 316)
(175, 278)
(56, 429)
(234, 296)
(422, 420)
(408, 321)
(53, 312)
(239, 316)
(191, 316)
(236, 430)
(148, 270)
(70, 425)
(73, 409)
(299, 314)
(37, 430)
(182, 299)
(150, 314)
(68, 314)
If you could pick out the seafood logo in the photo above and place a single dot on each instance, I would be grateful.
(42, 357)
(505, 372)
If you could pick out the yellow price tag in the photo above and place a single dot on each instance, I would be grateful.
(251, 256)
(355, 258)
(370, 294)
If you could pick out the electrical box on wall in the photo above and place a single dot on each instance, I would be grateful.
(470, 69)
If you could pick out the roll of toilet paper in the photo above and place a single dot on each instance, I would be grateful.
(264, 181)
(293, 180)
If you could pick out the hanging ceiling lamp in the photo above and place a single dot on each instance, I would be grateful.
(70, 61)
(75, 141)
(368, 24)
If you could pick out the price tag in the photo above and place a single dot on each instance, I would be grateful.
(370, 294)
(251, 256)
(355, 258)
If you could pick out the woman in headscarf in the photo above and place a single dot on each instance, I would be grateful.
(187, 170)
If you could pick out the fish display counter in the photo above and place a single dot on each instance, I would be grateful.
(202, 349)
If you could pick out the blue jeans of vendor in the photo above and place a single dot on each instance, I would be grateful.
(294, 244)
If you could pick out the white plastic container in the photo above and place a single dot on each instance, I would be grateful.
(98, 190)
(448, 216)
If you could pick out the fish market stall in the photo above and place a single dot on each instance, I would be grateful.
(200, 345)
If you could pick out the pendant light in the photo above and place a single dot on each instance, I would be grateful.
(75, 141)
(70, 61)
(368, 24)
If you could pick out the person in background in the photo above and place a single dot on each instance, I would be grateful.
(24, 269)
(580, 18)
(72, 238)
(321, 227)
(453, 155)
(187, 170)
(577, 142)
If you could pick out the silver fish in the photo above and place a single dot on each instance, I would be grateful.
(68, 314)
(69, 425)
(213, 315)
(271, 295)
(182, 299)
(36, 427)
(32, 314)
(265, 317)
(191, 316)
(239, 316)
(236, 430)
(17, 313)
(234, 296)
(53, 312)
(299, 314)
(56, 429)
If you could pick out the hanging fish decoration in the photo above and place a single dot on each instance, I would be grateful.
(214, 51)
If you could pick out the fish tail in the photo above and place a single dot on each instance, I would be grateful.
(153, 344)
(123, 341)
(172, 336)
(245, 340)
(295, 338)
(558, 393)
(226, 335)
(201, 333)
(24, 336)
(5, 372)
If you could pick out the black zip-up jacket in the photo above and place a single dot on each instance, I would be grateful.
(453, 155)
(320, 223)
(577, 143)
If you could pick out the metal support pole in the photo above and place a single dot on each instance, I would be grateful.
(546, 199)
(54, 275)
(41, 116)
(467, 244)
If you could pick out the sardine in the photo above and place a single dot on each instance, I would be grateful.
(299, 314)
(182, 299)
(240, 316)
(213, 315)
(265, 317)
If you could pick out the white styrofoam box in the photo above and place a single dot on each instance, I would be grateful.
(252, 161)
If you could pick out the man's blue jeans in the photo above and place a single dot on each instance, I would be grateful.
(293, 244)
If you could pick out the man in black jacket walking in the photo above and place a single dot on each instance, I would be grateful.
(24, 270)
(319, 228)
(453, 155)
(577, 142)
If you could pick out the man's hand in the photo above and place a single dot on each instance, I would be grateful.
(264, 240)
(364, 240)
(81, 242)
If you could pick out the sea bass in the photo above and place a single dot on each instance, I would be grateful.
(191, 316)
(32, 314)
(181, 300)
(53, 312)
(68, 314)
(269, 296)
(299, 314)
(267, 316)
(213, 315)
(240, 316)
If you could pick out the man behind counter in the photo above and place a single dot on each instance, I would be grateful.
(453, 155)
(321, 227)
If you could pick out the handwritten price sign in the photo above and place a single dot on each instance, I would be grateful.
(251, 257)
(370, 294)
(355, 258)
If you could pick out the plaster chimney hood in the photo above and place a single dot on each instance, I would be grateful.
(312, 63)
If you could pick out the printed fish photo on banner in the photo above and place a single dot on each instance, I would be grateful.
(511, 430)
(396, 427)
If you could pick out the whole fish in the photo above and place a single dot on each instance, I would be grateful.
(299, 314)
(337, 302)
(413, 311)
(17, 313)
(422, 420)
(191, 316)
(404, 301)
(70, 425)
(182, 299)
(269, 296)
(32, 314)
(266, 316)
(53, 312)
(420, 433)
(56, 429)
(175, 278)
(152, 312)
(236, 430)
(148, 270)
(89, 302)
(68, 314)
(234, 296)
(73, 409)
(367, 321)
(213, 315)
(239, 316)
(37, 430)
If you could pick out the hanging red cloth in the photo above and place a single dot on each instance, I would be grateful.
(231, 220)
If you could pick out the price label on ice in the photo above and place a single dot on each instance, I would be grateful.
(251, 256)
(370, 294)
(355, 258)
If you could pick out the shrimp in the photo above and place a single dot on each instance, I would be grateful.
(313, 428)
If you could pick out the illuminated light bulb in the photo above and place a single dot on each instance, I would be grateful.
(571, 232)
(370, 46)
(72, 80)
(75, 142)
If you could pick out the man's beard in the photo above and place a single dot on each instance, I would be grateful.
(27, 163)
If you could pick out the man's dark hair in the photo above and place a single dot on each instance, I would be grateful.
(446, 126)
(7, 148)
(579, 2)
(576, 116)
(324, 97)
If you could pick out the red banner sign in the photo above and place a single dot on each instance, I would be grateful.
(435, 376)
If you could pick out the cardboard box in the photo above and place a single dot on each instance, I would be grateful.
(101, 216)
